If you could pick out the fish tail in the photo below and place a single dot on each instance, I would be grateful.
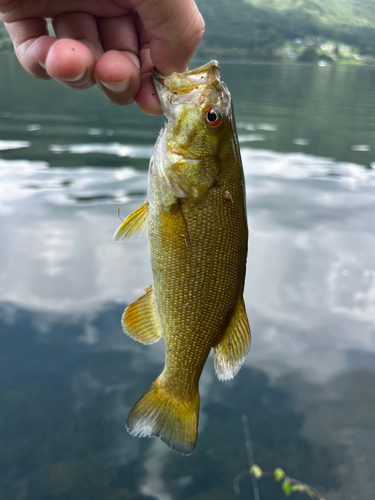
(160, 413)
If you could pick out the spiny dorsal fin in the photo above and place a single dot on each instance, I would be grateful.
(160, 413)
(230, 353)
(134, 226)
(140, 319)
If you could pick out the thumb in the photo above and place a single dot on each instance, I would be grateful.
(175, 28)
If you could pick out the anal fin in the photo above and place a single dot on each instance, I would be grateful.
(140, 320)
(230, 353)
(134, 226)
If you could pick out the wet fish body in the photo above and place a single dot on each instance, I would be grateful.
(197, 230)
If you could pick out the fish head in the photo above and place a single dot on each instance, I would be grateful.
(198, 108)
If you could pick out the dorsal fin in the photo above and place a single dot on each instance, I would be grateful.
(134, 226)
(230, 353)
(140, 320)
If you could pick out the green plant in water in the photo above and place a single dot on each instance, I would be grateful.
(289, 485)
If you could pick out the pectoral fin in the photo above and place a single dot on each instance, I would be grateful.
(134, 226)
(140, 320)
(230, 353)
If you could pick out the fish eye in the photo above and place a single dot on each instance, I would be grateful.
(213, 117)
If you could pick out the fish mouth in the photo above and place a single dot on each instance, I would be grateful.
(176, 87)
(183, 83)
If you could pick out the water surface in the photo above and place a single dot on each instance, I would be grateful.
(68, 375)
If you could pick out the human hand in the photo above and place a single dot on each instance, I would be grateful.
(113, 43)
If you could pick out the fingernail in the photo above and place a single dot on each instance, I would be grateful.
(43, 66)
(76, 78)
(117, 86)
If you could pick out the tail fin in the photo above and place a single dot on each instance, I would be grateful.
(159, 413)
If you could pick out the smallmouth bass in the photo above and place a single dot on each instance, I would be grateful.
(195, 215)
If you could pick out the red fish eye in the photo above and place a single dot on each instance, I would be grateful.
(213, 117)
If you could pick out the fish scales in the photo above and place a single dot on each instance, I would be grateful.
(197, 285)
(197, 233)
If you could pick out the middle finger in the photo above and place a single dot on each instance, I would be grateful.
(118, 71)
(72, 58)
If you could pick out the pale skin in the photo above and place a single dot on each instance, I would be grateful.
(111, 43)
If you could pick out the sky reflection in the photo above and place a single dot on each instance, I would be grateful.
(305, 267)
(68, 375)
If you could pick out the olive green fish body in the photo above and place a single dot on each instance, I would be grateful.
(198, 255)
(197, 233)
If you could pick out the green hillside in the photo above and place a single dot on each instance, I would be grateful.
(328, 12)
(251, 28)
(348, 21)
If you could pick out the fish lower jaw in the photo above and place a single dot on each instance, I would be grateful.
(183, 154)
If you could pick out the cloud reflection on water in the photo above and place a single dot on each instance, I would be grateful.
(62, 258)
(114, 148)
(4, 145)
(69, 376)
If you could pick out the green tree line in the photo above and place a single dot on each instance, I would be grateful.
(248, 28)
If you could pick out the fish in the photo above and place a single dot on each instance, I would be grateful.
(196, 223)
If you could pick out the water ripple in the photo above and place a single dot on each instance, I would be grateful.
(360, 147)
(260, 162)
(4, 145)
(113, 148)
(251, 138)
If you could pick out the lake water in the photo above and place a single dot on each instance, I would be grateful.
(69, 376)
